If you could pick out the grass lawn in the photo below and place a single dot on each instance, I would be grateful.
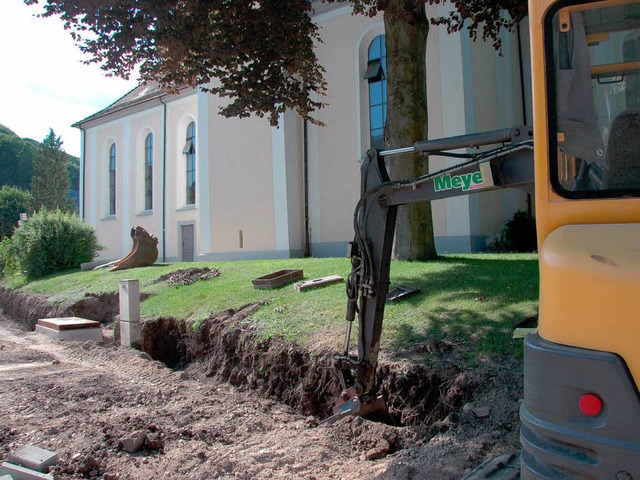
(464, 298)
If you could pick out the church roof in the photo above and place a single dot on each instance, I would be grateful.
(140, 94)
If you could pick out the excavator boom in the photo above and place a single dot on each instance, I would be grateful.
(509, 164)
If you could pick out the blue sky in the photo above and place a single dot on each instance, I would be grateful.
(43, 82)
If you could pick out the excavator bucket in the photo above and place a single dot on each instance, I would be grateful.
(143, 253)
(375, 409)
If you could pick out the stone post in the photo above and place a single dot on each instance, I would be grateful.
(130, 328)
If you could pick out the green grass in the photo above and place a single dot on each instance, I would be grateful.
(473, 299)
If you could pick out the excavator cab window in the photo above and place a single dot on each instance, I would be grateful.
(593, 56)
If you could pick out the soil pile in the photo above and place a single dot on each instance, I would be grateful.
(188, 276)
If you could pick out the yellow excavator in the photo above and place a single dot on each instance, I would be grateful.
(581, 410)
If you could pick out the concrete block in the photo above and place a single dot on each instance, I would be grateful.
(6, 477)
(33, 457)
(68, 323)
(130, 333)
(80, 335)
(129, 300)
(22, 473)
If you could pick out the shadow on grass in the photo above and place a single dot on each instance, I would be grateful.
(479, 303)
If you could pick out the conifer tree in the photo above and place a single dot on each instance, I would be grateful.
(50, 181)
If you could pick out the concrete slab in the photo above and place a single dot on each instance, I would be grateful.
(33, 457)
(68, 323)
(22, 473)
(81, 335)
(6, 477)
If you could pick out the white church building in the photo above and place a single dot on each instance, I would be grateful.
(215, 188)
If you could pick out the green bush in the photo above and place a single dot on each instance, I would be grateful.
(13, 202)
(8, 259)
(53, 241)
(518, 235)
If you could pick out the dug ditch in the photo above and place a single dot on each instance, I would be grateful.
(227, 348)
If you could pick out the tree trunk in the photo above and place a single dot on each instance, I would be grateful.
(406, 40)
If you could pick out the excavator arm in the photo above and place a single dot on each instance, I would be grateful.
(509, 164)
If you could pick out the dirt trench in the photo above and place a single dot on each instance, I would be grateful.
(27, 309)
(227, 348)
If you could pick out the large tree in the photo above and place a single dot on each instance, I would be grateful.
(261, 53)
(50, 181)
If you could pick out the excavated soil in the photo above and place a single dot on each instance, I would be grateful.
(188, 276)
(219, 402)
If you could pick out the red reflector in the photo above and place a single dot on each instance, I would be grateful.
(590, 404)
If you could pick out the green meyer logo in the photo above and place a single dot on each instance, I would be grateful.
(468, 181)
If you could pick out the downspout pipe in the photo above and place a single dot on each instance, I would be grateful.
(164, 180)
(305, 180)
(83, 154)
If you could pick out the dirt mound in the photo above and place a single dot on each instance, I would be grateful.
(188, 276)
(101, 308)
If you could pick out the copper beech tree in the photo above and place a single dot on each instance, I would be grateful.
(261, 56)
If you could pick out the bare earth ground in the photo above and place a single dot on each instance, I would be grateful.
(80, 399)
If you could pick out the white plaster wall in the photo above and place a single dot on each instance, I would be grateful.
(129, 134)
(108, 227)
(497, 103)
(471, 89)
(141, 126)
(234, 172)
(240, 183)
(288, 191)
(336, 149)
(180, 113)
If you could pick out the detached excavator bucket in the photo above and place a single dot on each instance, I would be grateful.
(143, 253)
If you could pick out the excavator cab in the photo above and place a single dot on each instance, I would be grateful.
(581, 409)
(594, 98)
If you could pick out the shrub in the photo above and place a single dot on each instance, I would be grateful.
(518, 235)
(13, 202)
(8, 259)
(52, 241)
